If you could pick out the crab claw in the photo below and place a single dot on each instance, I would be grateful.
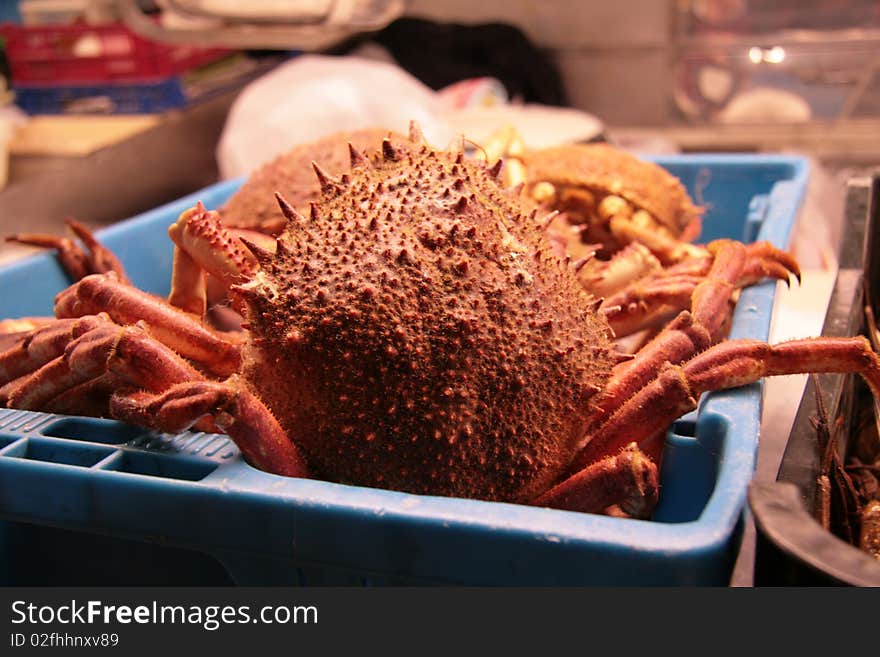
(628, 479)
(77, 261)
(234, 409)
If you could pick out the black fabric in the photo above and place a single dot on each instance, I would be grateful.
(440, 54)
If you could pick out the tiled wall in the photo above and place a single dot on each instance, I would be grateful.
(613, 54)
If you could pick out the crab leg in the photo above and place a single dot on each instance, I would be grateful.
(189, 287)
(126, 304)
(646, 415)
(210, 258)
(689, 333)
(628, 478)
(763, 260)
(159, 389)
(12, 330)
(37, 347)
(91, 398)
(694, 330)
(73, 259)
(203, 245)
(76, 261)
(234, 409)
(662, 294)
(8, 388)
(667, 249)
(647, 304)
(630, 264)
(100, 346)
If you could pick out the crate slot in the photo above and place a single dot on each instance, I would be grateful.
(217, 445)
(759, 206)
(55, 451)
(687, 477)
(109, 432)
(167, 467)
(194, 444)
(685, 427)
(107, 462)
(6, 441)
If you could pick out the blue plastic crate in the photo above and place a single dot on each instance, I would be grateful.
(193, 491)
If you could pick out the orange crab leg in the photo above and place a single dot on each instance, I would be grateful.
(235, 410)
(633, 262)
(100, 346)
(9, 387)
(628, 478)
(34, 392)
(101, 259)
(71, 256)
(766, 261)
(739, 362)
(37, 347)
(189, 287)
(702, 281)
(203, 245)
(170, 394)
(762, 260)
(194, 289)
(687, 334)
(91, 398)
(667, 249)
(126, 304)
(710, 300)
(647, 414)
(12, 330)
(647, 305)
(76, 261)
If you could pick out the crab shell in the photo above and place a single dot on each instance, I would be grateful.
(253, 205)
(416, 333)
(605, 170)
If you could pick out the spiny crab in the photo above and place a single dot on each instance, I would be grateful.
(415, 332)
(628, 222)
(609, 197)
(252, 206)
(250, 213)
(615, 197)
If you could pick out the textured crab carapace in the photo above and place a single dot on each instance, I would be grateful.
(609, 196)
(253, 205)
(598, 183)
(630, 221)
(416, 332)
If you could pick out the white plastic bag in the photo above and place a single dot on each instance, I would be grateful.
(314, 95)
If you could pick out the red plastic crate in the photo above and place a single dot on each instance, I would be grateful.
(79, 53)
